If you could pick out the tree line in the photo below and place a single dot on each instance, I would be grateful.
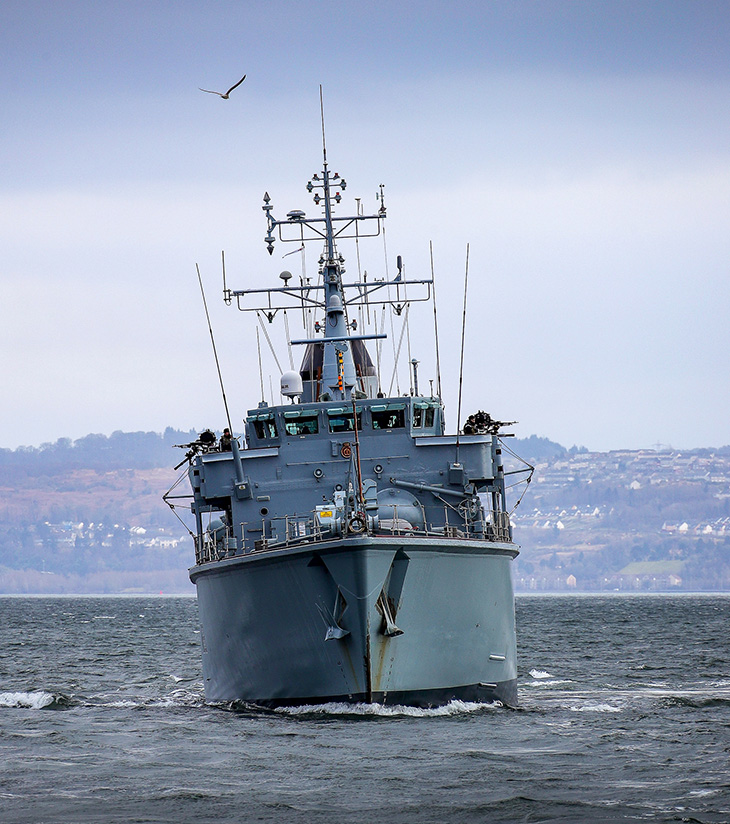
(120, 450)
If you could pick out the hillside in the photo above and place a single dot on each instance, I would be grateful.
(88, 516)
(627, 520)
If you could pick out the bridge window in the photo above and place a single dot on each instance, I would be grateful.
(301, 423)
(391, 416)
(342, 421)
(424, 415)
(265, 427)
(418, 410)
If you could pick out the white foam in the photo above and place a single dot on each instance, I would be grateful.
(35, 700)
(596, 708)
(178, 698)
(663, 691)
(163, 702)
(536, 673)
(341, 708)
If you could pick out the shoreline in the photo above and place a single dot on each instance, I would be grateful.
(587, 594)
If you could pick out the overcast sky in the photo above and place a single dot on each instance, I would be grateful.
(580, 148)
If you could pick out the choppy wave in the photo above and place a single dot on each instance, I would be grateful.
(536, 673)
(175, 699)
(34, 700)
(595, 707)
(178, 698)
(388, 711)
(543, 679)
(699, 702)
(547, 683)
(714, 695)
(41, 699)
(120, 705)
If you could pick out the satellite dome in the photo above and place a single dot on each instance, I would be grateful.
(291, 384)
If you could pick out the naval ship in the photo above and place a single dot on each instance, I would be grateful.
(346, 548)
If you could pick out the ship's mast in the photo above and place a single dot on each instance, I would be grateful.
(338, 366)
(339, 379)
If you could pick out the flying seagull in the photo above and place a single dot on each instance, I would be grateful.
(220, 94)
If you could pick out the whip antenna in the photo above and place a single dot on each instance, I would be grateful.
(226, 292)
(215, 352)
(461, 361)
(435, 326)
(321, 114)
(261, 371)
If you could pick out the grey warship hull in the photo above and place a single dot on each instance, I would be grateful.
(416, 621)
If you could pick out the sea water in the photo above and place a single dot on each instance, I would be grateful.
(625, 716)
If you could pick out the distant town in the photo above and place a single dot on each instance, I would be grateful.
(87, 517)
(644, 520)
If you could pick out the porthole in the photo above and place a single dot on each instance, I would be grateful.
(378, 468)
(264, 510)
(318, 473)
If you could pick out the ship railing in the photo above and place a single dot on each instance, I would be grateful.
(487, 531)
(295, 530)
(492, 526)
(203, 549)
(213, 547)
(498, 526)
(290, 531)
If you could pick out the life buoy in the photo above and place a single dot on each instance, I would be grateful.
(357, 524)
